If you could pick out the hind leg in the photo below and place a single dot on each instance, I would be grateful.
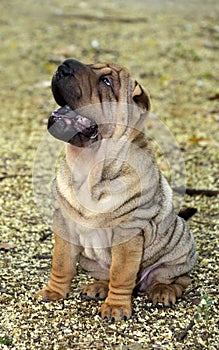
(167, 293)
(97, 290)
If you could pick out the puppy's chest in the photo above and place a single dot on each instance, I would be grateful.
(94, 195)
(96, 243)
(93, 238)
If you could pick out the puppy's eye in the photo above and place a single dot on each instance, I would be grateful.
(106, 81)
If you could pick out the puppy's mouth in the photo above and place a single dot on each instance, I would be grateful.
(68, 126)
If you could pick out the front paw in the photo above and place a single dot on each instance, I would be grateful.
(115, 312)
(48, 295)
(97, 290)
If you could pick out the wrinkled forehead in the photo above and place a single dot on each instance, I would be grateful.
(107, 69)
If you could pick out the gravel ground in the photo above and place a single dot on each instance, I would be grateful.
(172, 48)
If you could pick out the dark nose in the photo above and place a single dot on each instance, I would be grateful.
(68, 68)
(64, 71)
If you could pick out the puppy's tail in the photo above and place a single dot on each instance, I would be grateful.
(187, 213)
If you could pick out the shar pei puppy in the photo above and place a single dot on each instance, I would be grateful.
(114, 212)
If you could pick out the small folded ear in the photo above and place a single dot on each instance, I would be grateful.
(141, 97)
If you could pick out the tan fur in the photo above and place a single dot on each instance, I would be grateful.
(113, 208)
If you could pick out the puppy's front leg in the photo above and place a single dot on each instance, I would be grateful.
(126, 258)
(63, 269)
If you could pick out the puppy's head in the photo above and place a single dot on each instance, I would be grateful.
(91, 97)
